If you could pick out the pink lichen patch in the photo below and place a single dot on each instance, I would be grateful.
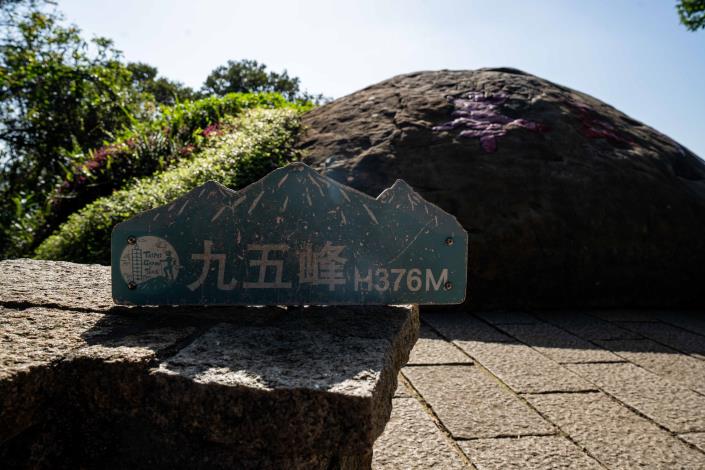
(593, 126)
(479, 116)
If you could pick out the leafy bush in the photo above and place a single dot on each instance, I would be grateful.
(250, 147)
(145, 148)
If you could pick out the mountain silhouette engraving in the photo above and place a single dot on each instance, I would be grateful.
(292, 238)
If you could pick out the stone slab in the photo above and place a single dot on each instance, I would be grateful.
(55, 284)
(670, 405)
(529, 452)
(559, 345)
(524, 369)
(586, 326)
(37, 337)
(369, 321)
(273, 358)
(217, 387)
(672, 336)
(33, 341)
(432, 349)
(613, 434)
(40, 343)
(663, 361)
(472, 404)
(412, 440)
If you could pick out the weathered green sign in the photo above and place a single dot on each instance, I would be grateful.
(293, 238)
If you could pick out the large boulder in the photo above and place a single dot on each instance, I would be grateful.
(568, 202)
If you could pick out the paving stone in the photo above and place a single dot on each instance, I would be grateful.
(412, 440)
(519, 366)
(524, 369)
(432, 349)
(696, 438)
(679, 368)
(586, 326)
(672, 336)
(670, 405)
(459, 327)
(501, 318)
(692, 321)
(402, 391)
(613, 434)
(530, 452)
(627, 315)
(471, 404)
(557, 344)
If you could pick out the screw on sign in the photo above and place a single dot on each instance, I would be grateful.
(293, 238)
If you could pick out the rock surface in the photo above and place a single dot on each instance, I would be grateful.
(84, 384)
(567, 201)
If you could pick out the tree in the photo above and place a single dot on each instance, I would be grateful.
(249, 76)
(692, 13)
(145, 79)
(56, 97)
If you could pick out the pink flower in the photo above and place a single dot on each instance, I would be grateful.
(213, 129)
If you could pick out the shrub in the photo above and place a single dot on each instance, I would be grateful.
(249, 147)
(176, 133)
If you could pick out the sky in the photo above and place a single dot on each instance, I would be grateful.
(632, 54)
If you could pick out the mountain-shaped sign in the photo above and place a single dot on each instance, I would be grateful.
(292, 238)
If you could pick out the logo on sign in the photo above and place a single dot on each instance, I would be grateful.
(150, 262)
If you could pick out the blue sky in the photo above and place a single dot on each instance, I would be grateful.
(631, 54)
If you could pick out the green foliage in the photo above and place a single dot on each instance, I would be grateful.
(251, 146)
(145, 79)
(146, 147)
(76, 123)
(250, 76)
(692, 13)
(55, 97)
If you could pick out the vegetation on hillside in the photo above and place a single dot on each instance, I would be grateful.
(77, 123)
(141, 150)
(249, 147)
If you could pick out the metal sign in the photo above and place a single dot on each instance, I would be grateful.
(293, 238)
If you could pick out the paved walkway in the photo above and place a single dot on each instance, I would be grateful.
(618, 389)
